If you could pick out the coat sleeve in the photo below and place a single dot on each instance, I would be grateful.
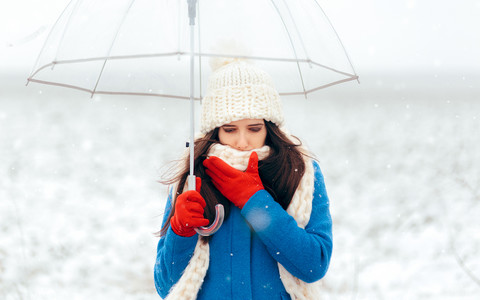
(305, 253)
(173, 254)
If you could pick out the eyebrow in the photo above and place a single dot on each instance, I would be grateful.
(249, 125)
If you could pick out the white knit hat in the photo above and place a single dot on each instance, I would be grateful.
(239, 90)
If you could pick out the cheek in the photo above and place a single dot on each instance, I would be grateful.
(260, 138)
(224, 138)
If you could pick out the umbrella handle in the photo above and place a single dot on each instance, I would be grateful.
(215, 226)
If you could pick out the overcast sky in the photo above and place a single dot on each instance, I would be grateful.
(379, 35)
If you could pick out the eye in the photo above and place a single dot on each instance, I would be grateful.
(228, 130)
(255, 129)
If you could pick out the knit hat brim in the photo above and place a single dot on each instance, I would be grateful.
(230, 104)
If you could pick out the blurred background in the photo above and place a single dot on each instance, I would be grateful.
(80, 201)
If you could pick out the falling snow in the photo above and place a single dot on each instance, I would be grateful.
(79, 201)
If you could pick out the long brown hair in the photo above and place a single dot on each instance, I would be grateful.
(280, 172)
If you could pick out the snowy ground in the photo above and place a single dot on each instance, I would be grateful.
(79, 201)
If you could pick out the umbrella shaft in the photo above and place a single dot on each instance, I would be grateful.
(192, 11)
(191, 178)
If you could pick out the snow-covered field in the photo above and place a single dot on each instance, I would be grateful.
(79, 201)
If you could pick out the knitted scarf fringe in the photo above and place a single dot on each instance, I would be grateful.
(300, 209)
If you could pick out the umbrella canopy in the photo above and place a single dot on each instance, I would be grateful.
(162, 48)
(142, 47)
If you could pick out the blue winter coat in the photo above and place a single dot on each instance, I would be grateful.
(245, 251)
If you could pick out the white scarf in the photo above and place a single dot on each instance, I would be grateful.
(300, 209)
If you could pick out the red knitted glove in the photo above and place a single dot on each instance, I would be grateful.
(189, 212)
(236, 185)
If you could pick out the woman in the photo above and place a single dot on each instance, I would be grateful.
(276, 240)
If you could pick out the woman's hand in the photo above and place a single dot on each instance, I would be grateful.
(236, 185)
(188, 215)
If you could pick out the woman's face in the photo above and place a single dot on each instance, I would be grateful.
(244, 135)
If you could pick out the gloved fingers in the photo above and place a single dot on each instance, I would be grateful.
(209, 164)
(198, 183)
(252, 163)
(195, 208)
(180, 228)
(217, 186)
(220, 167)
(197, 222)
(197, 198)
(215, 177)
(191, 196)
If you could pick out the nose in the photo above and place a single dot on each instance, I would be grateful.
(242, 142)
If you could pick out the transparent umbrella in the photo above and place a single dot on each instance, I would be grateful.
(161, 48)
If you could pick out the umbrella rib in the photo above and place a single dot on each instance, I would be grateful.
(293, 48)
(39, 69)
(60, 84)
(81, 60)
(48, 37)
(111, 46)
(338, 38)
(174, 96)
(66, 28)
(177, 53)
(145, 94)
(334, 70)
(107, 92)
(333, 83)
(322, 86)
(296, 28)
(309, 61)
